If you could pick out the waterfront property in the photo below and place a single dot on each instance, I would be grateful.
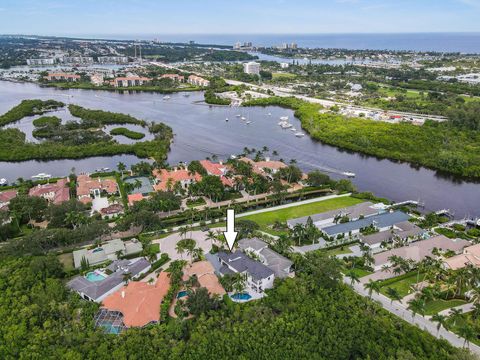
(136, 304)
(130, 81)
(62, 77)
(280, 265)
(265, 168)
(166, 179)
(326, 218)
(6, 197)
(419, 250)
(89, 188)
(218, 169)
(402, 231)
(55, 193)
(204, 273)
(141, 185)
(174, 77)
(380, 222)
(108, 251)
(258, 276)
(470, 256)
(98, 284)
(198, 81)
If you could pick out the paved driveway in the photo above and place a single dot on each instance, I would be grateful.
(168, 244)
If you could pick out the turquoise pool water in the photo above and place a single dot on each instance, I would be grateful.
(111, 329)
(182, 293)
(94, 276)
(241, 296)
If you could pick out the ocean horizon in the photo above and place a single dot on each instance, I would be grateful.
(463, 42)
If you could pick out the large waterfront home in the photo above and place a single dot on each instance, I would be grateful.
(166, 179)
(470, 256)
(204, 273)
(401, 231)
(88, 188)
(327, 218)
(55, 193)
(108, 251)
(98, 284)
(419, 250)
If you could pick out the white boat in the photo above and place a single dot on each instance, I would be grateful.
(269, 114)
(3, 182)
(166, 97)
(293, 129)
(286, 125)
(284, 118)
(243, 118)
(349, 174)
(299, 134)
(238, 115)
(226, 119)
(105, 169)
(248, 122)
(42, 176)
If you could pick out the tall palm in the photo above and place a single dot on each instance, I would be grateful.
(441, 321)
(394, 295)
(372, 286)
(354, 278)
(454, 315)
(417, 306)
(211, 236)
(467, 332)
(121, 167)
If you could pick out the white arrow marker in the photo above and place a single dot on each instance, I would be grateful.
(230, 234)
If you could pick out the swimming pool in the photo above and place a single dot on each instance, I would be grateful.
(182, 293)
(241, 296)
(94, 276)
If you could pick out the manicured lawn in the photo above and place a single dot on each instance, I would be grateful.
(359, 272)
(197, 202)
(268, 218)
(435, 306)
(277, 76)
(338, 251)
(403, 285)
(67, 261)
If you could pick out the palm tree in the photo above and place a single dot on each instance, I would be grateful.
(372, 286)
(151, 281)
(455, 315)
(354, 278)
(121, 167)
(126, 278)
(416, 306)
(211, 236)
(466, 331)
(394, 295)
(180, 248)
(441, 320)
(183, 231)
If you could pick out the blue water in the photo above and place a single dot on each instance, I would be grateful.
(442, 42)
(182, 293)
(241, 296)
(94, 276)
(111, 329)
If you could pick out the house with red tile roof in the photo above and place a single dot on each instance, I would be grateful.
(5, 197)
(266, 167)
(133, 198)
(62, 77)
(218, 169)
(139, 302)
(111, 211)
(130, 81)
(174, 77)
(55, 193)
(166, 179)
(205, 274)
(198, 81)
(88, 187)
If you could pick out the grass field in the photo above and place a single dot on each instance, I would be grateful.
(359, 272)
(266, 219)
(435, 306)
(67, 261)
(403, 285)
(277, 76)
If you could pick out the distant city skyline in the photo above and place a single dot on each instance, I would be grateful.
(110, 17)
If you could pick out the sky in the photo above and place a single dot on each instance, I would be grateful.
(109, 17)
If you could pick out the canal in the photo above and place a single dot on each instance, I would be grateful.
(201, 131)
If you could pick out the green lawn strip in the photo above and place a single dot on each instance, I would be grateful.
(338, 251)
(67, 261)
(268, 218)
(435, 306)
(402, 283)
(359, 272)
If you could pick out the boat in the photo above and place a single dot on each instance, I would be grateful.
(105, 169)
(243, 118)
(41, 176)
(286, 125)
(293, 129)
(226, 119)
(269, 114)
(299, 134)
(284, 118)
(238, 115)
(166, 97)
(3, 182)
(248, 122)
(349, 174)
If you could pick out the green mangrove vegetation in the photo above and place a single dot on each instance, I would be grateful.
(134, 135)
(29, 108)
(441, 146)
(82, 138)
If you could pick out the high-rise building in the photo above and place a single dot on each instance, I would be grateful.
(251, 68)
